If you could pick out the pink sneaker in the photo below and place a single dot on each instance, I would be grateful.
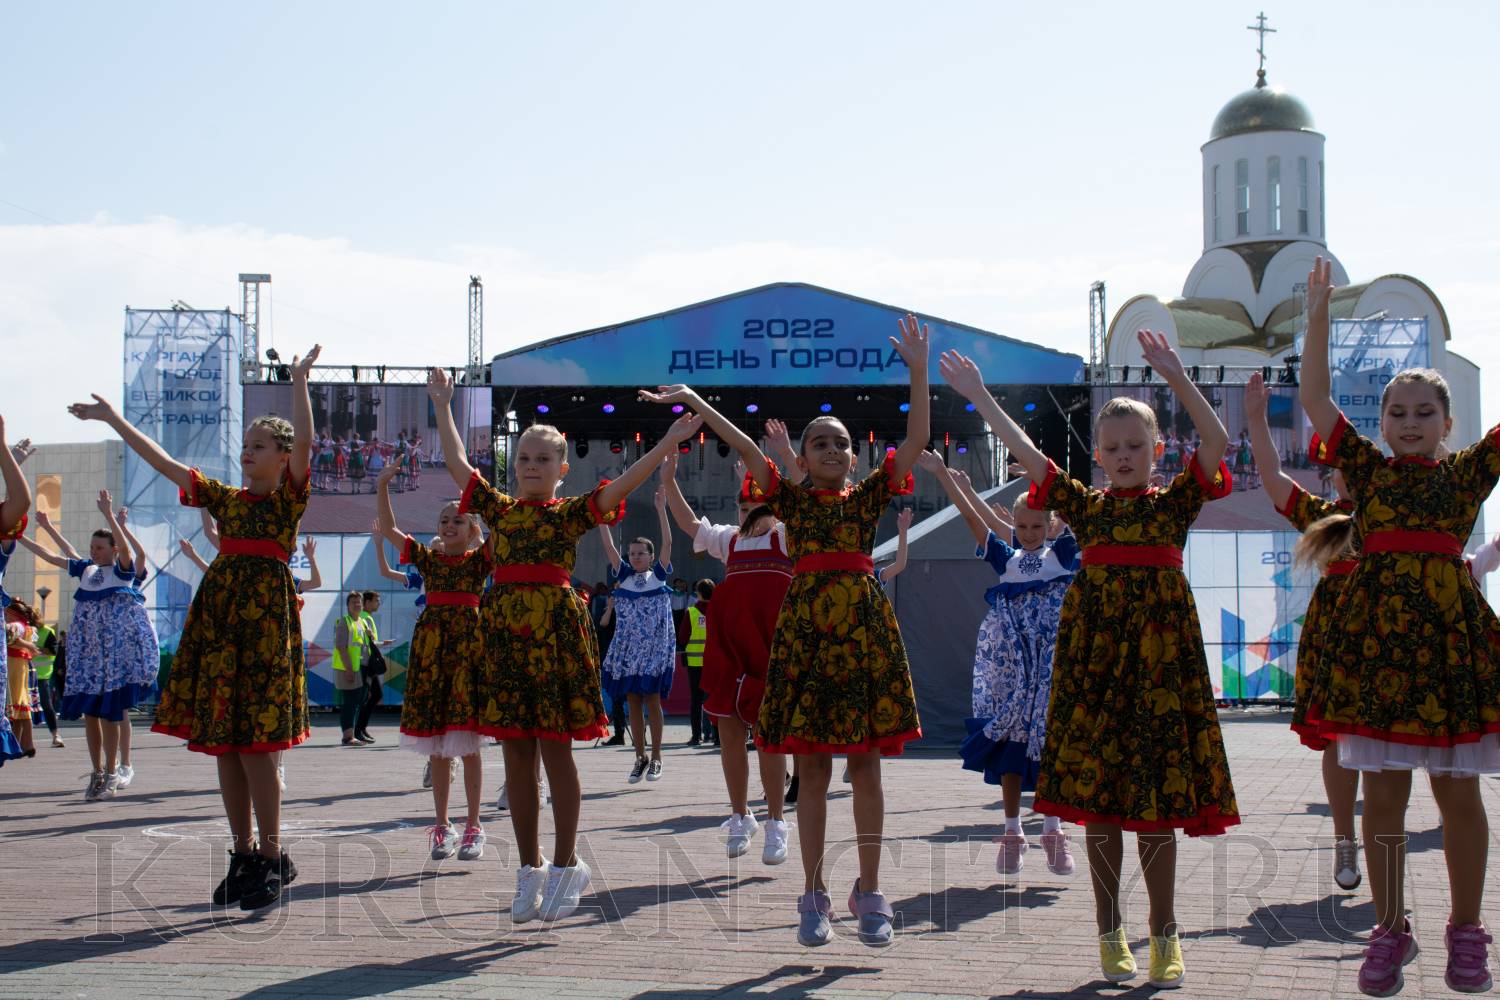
(1059, 858)
(1380, 974)
(1010, 861)
(1468, 958)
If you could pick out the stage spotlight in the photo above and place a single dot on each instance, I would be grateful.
(752, 408)
(354, 371)
(825, 408)
(616, 446)
(963, 446)
(1029, 407)
(1221, 373)
(677, 407)
(609, 407)
(723, 449)
(685, 446)
(904, 407)
(581, 447)
(1196, 375)
(890, 445)
(1125, 375)
(1146, 374)
(271, 354)
(969, 407)
(1265, 372)
(543, 408)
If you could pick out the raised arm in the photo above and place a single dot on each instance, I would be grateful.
(1267, 459)
(53, 558)
(63, 545)
(1165, 362)
(779, 443)
(913, 350)
(1315, 386)
(968, 381)
(664, 552)
(440, 388)
(931, 462)
(314, 577)
(100, 409)
(136, 548)
(677, 504)
(610, 552)
(302, 418)
(106, 505)
(385, 521)
(210, 527)
(611, 493)
(993, 519)
(17, 492)
(385, 567)
(192, 554)
(752, 456)
(903, 524)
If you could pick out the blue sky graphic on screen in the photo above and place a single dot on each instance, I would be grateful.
(775, 335)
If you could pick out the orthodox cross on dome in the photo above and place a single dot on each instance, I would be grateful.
(1260, 29)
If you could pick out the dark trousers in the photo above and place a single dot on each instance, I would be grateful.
(374, 695)
(349, 707)
(44, 695)
(701, 726)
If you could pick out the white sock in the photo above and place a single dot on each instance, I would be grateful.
(1051, 824)
(1012, 824)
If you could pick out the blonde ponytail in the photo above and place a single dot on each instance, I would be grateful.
(1324, 541)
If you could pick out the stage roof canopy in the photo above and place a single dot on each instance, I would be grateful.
(786, 334)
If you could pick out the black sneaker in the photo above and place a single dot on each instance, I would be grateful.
(637, 772)
(617, 740)
(791, 791)
(364, 737)
(262, 883)
(288, 870)
(233, 885)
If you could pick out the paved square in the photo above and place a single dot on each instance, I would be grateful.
(110, 899)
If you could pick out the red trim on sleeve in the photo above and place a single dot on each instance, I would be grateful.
(1036, 493)
(1215, 491)
(775, 481)
(16, 532)
(302, 490)
(601, 516)
(1291, 501)
(468, 495)
(905, 486)
(1331, 447)
(406, 551)
(749, 491)
(192, 498)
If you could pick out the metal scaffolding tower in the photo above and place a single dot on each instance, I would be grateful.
(476, 330)
(250, 316)
(1098, 328)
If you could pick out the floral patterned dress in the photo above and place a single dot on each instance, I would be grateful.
(838, 680)
(1013, 658)
(1304, 510)
(439, 714)
(1132, 734)
(10, 747)
(540, 673)
(237, 683)
(1410, 671)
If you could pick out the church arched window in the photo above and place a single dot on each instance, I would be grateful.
(1242, 197)
(1303, 202)
(1273, 194)
(1214, 198)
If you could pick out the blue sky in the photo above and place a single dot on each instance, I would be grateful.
(598, 161)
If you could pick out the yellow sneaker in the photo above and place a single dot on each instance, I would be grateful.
(1167, 971)
(1115, 957)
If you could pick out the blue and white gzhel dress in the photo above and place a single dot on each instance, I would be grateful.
(1013, 658)
(644, 648)
(111, 647)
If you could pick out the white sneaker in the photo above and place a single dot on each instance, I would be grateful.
(740, 831)
(503, 802)
(427, 774)
(111, 785)
(564, 886)
(653, 771)
(281, 776)
(444, 840)
(126, 774)
(1346, 864)
(530, 883)
(472, 848)
(95, 787)
(773, 852)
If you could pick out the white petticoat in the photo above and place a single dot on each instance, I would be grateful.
(1365, 753)
(457, 743)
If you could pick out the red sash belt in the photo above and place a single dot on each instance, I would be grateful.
(253, 547)
(1133, 555)
(547, 574)
(1341, 567)
(457, 598)
(826, 562)
(1436, 543)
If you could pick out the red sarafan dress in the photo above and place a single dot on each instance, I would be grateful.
(742, 616)
(1409, 671)
(540, 675)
